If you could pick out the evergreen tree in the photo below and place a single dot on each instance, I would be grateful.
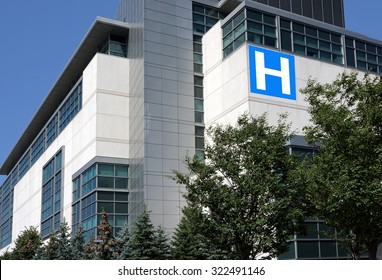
(106, 248)
(77, 244)
(187, 242)
(7, 255)
(27, 244)
(146, 242)
(49, 250)
(122, 240)
(161, 244)
(63, 242)
(90, 249)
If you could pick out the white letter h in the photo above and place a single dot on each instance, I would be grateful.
(261, 71)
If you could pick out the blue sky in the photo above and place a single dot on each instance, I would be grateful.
(38, 38)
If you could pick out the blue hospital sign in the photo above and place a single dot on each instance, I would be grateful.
(272, 73)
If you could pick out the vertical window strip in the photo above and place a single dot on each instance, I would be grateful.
(51, 196)
(110, 182)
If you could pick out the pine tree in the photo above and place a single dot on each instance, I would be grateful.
(187, 243)
(106, 248)
(77, 244)
(90, 249)
(48, 251)
(63, 242)
(161, 243)
(27, 244)
(121, 242)
(146, 242)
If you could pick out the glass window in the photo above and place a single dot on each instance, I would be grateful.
(121, 196)
(121, 183)
(120, 220)
(199, 117)
(270, 42)
(307, 249)
(198, 105)
(311, 31)
(121, 207)
(239, 30)
(198, 18)
(197, 48)
(324, 35)
(227, 28)
(239, 18)
(285, 24)
(286, 41)
(198, 91)
(350, 57)
(298, 27)
(198, 80)
(107, 206)
(121, 170)
(198, 28)
(325, 45)
(105, 170)
(299, 49)
(300, 39)
(336, 38)
(105, 182)
(254, 26)
(106, 196)
(268, 30)
(311, 42)
(254, 15)
(199, 131)
(328, 249)
(269, 19)
(211, 12)
(198, 8)
(198, 58)
(360, 45)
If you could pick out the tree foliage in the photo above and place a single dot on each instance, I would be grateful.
(63, 242)
(146, 242)
(26, 244)
(188, 243)
(77, 245)
(251, 199)
(346, 175)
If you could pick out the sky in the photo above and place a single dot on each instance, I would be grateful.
(37, 38)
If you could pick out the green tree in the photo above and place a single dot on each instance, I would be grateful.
(146, 242)
(187, 242)
(49, 250)
(27, 244)
(7, 255)
(63, 242)
(251, 199)
(122, 240)
(346, 174)
(77, 245)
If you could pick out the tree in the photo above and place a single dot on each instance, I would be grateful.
(106, 247)
(63, 242)
(122, 240)
(27, 244)
(346, 175)
(146, 242)
(77, 245)
(187, 242)
(49, 250)
(251, 200)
